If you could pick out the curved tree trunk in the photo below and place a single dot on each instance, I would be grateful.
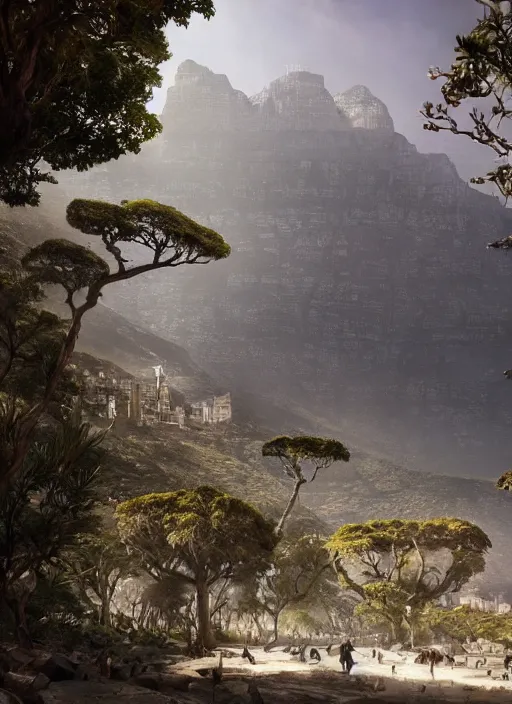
(289, 507)
(275, 635)
(205, 637)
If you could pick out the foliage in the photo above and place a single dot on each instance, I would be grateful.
(97, 563)
(170, 238)
(482, 71)
(55, 613)
(293, 452)
(301, 623)
(200, 536)
(169, 602)
(299, 566)
(505, 481)
(44, 509)
(56, 58)
(403, 565)
(462, 623)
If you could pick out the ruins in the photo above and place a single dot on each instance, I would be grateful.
(148, 402)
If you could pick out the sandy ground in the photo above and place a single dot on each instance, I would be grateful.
(279, 662)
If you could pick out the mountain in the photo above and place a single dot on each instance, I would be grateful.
(359, 286)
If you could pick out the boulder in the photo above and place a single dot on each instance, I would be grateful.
(20, 658)
(164, 683)
(57, 668)
(27, 687)
(9, 698)
(122, 672)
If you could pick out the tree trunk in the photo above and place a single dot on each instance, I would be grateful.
(17, 608)
(205, 637)
(275, 635)
(289, 508)
(105, 612)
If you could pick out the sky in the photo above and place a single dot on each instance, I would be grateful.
(387, 45)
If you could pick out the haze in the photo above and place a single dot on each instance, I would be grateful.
(387, 45)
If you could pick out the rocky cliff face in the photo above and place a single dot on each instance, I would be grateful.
(359, 284)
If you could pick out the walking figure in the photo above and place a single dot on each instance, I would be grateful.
(346, 659)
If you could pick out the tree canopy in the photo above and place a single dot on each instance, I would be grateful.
(293, 452)
(56, 59)
(299, 566)
(482, 71)
(200, 535)
(462, 623)
(399, 563)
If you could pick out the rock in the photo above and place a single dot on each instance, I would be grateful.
(298, 101)
(363, 110)
(164, 683)
(121, 671)
(104, 692)
(57, 668)
(238, 687)
(174, 648)
(26, 686)
(20, 657)
(9, 698)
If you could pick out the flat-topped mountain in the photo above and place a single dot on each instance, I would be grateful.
(203, 101)
(359, 286)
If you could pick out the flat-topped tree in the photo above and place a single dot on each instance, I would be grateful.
(399, 566)
(201, 536)
(167, 238)
(293, 452)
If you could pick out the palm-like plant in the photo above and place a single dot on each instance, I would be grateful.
(46, 507)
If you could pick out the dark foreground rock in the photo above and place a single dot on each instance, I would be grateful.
(101, 693)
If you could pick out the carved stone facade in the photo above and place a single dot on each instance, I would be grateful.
(108, 396)
(216, 410)
(359, 285)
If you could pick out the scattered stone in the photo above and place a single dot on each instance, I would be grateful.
(57, 668)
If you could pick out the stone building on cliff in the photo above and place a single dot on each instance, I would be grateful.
(109, 395)
(216, 410)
